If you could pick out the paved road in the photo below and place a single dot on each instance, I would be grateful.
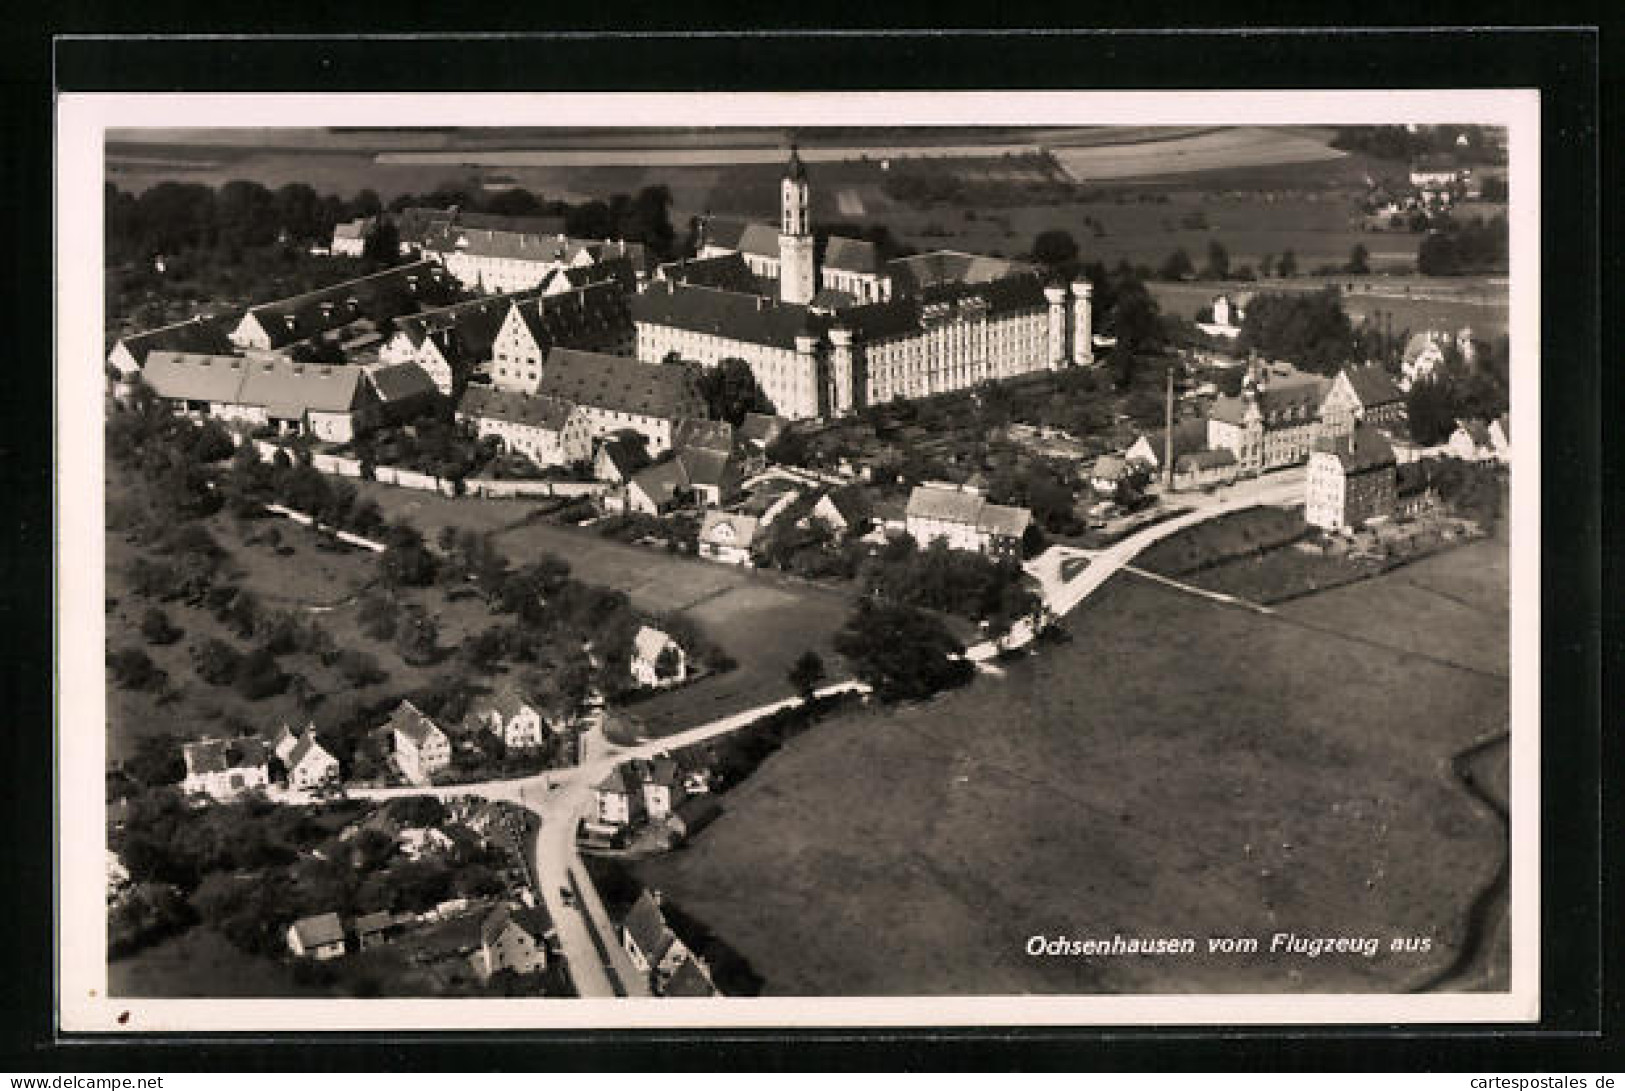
(561, 797)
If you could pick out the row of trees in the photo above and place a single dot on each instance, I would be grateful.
(1455, 249)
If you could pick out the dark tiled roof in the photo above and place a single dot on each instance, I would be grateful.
(415, 224)
(407, 720)
(379, 296)
(832, 299)
(593, 315)
(704, 466)
(616, 270)
(688, 980)
(621, 384)
(661, 481)
(395, 383)
(505, 699)
(218, 755)
(760, 239)
(1205, 460)
(646, 924)
(758, 320)
(371, 923)
(945, 504)
(628, 453)
(1362, 451)
(1373, 386)
(302, 749)
(195, 335)
(851, 255)
(473, 325)
(487, 403)
(1190, 436)
(726, 271)
(534, 921)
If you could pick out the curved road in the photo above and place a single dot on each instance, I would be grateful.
(561, 797)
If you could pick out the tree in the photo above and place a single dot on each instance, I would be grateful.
(1430, 411)
(1309, 328)
(258, 676)
(730, 390)
(382, 245)
(1177, 266)
(133, 669)
(1359, 262)
(418, 638)
(806, 673)
(904, 653)
(156, 628)
(215, 661)
(1055, 248)
(157, 761)
(1288, 265)
(1218, 261)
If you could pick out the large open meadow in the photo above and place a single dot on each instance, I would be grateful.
(1179, 768)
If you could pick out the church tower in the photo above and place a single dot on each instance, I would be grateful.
(797, 277)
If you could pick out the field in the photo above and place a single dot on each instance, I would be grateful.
(1216, 149)
(762, 620)
(1180, 768)
(1416, 303)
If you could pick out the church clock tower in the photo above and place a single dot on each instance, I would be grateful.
(797, 277)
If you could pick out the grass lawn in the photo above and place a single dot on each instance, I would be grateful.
(202, 963)
(765, 621)
(1180, 768)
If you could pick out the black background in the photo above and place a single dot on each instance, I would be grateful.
(1577, 935)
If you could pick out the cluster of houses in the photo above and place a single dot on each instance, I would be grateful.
(673, 969)
(664, 793)
(225, 769)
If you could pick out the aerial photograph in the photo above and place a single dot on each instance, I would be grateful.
(806, 562)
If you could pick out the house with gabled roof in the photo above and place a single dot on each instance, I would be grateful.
(662, 785)
(712, 476)
(649, 941)
(691, 980)
(620, 456)
(332, 402)
(1471, 442)
(514, 938)
(961, 517)
(421, 748)
(727, 536)
(657, 660)
(1361, 395)
(618, 799)
(350, 237)
(593, 318)
(1149, 449)
(198, 336)
(614, 393)
(1273, 422)
(454, 340)
(375, 298)
(530, 425)
(224, 769)
(283, 742)
(509, 714)
(320, 937)
(309, 764)
(403, 391)
(658, 489)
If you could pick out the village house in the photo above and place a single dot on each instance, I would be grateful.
(403, 391)
(961, 517)
(657, 660)
(1202, 469)
(331, 402)
(350, 237)
(691, 980)
(525, 424)
(727, 537)
(662, 784)
(499, 259)
(1500, 430)
(197, 336)
(593, 319)
(649, 942)
(309, 764)
(1351, 480)
(1471, 442)
(1361, 395)
(1425, 353)
(1273, 423)
(618, 799)
(283, 742)
(224, 769)
(1149, 449)
(620, 456)
(373, 300)
(509, 715)
(1107, 474)
(658, 489)
(375, 929)
(421, 748)
(320, 937)
(514, 938)
(451, 341)
(844, 510)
